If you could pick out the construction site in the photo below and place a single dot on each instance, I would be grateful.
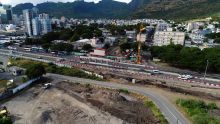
(72, 103)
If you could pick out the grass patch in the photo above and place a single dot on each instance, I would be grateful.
(52, 68)
(124, 91)
(157, 113)
(199, 112)
(3, 84)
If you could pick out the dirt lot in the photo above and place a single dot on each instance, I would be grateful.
(67, 103)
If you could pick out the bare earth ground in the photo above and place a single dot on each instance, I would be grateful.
(67, 103)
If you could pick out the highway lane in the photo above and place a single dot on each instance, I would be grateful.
(98, 62)
(111, 63)
(167, 108)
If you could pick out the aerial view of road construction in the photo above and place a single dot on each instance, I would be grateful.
(110, 62)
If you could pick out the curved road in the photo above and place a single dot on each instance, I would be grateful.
(169, 111)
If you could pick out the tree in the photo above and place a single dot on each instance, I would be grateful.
(35, 70)
(74, 38)
(62, 47)
(87, 47)
(125, 46)
(217, 40)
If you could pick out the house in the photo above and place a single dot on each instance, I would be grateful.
(98, 52)
(16, 71)
(80, 43)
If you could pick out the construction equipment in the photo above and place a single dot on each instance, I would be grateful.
(142, 28)
(3, 111)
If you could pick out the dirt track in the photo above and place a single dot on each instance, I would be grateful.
(68, 103)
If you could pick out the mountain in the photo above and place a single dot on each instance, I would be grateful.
(165, 9)
(80, 9)
(178, 9)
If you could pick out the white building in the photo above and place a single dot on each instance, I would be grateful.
(166, 37)
(36, 26)
(218, 30)
(194, 25)
(45, 26)
(28, 16)
(197, 38)
(41, 25)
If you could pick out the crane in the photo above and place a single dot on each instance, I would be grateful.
(139, 44)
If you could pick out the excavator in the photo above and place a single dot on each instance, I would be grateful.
(4, 111)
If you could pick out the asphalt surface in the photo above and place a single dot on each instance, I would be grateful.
(127, 66)
(168, 109)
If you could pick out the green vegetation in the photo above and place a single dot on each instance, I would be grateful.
(165, 9)
(71, 35)
(189, 58)
(215, 36)
(79, 9)
(123, 91)
(35, 70)
(157, 113)
(87, 47)
(3, 84)
(199, 111)
(5, 120)
(52, 68)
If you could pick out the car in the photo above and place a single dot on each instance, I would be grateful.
(47, 85)
(156, 72)
(185, 77)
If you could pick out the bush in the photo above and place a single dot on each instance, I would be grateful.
(124, 91)
(5, 120)
(199, 111)
(156, 112)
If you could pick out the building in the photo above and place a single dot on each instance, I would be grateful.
(28, 16)
(166, 37)
(5, 14)
(45, 23)
(197, 38)
(98, 52)
(36, 26)
(162, 27)
(16, 71)
(194, 25)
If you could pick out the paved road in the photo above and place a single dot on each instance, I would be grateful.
(169, 111)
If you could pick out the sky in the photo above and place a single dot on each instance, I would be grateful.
(14, 2)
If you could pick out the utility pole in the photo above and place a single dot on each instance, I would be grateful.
(206, 70)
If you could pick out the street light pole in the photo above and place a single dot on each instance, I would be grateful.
(206, 69)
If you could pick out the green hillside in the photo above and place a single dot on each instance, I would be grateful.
(179, 9)
(165, 9)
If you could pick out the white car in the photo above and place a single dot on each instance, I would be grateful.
(156, 71)
(185, 77)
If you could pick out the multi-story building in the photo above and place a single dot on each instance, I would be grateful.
(166, 37)
(45, 23)
(5, 14)
(36, 26)
(28, 16)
